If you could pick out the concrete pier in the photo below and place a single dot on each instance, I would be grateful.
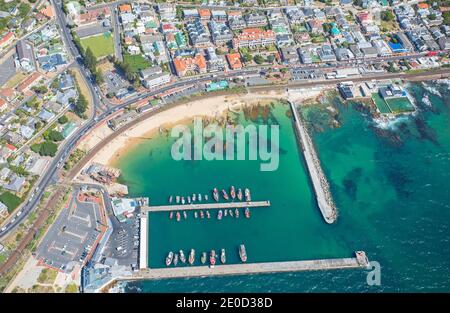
(318, 178)
(143, 244)
(360, 261)
(205, 206)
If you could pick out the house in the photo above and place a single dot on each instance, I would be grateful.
(8, 94)
(166, 11)
(314, 26)
(6, 39)
(64, 97)
(4, 173)
(48, 11)
(204, 14)
(219, 16)
(343, 54)
(237, 23)
(133, 50)
(404, 41)
(28, 24)
(3, 105)
(25, 56)
(26, 131)
(16, 183)
(125, 8)
(444, 43)
(190, 14)
(364, 18)
(46, 116)
(3, 210)
(66, 82)
(289, 55)
(234, 61)
(184, 65)
(29, 82)
(254, 37)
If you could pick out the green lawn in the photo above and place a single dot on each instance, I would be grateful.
(101, 45)
(10, 200)
(136, 62)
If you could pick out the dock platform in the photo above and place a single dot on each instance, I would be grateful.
(360, 261)
(318, 178)
(205, 206)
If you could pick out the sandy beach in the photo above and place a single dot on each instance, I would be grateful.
(211, 107)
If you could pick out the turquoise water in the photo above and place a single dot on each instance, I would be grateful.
(390, 185)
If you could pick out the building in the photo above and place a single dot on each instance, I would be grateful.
(166, 11)
(404, 41)
(153, 77)
(123, 207)
(204, 14)
(29, 82)
(255, 20)
(289, 55)
(16, 183)
(305, 57)
(3, 210)
(314, 26)
(190, 14)
(197, 33)
(185, 65)
(220, 32)
(254, 37)
(25, 56)
(6, 39)
(326, 53)
(392, 91)
(346, 90)
(369, 52)
(234, 61)
(237, 22)
(219, 16)
(214, 62)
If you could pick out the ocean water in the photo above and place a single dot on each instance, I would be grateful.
(390, 183)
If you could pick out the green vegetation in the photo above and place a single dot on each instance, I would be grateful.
(53, 135)
(74, 158)
(81, 105)
(40, 89)
(46, 148)
(47, 276)
(131, 65)
(101, 45)
(387, 16)
(19, 170)
(71, 288)
(258, 59)
(63, 119)
(10, 200)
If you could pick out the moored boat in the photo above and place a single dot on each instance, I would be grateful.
(178, 216)
(219, 215)
(192, 256)
(215, 194)
(224, 194)
(184, 214)
(203, 258)
(236, 212)
(182, 200)
(247, 212)
(201, 214)
(169, 258)
(200, 197)
(194, 197)
(195, 214)
(247, 195)
(223, 257)
(242, 253)
(207, 214)
(232, 192)
(189, 199)
(171, 215)
(212, 258)
(182, 257)
(225, 212)
(230, 211)
(239, 194)
(170, 199)
(177, 198)
(175, 259)
(206, 197)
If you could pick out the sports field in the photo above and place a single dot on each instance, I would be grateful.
(101, 45)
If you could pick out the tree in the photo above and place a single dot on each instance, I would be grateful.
(90, 60)
(80, 106)
(258, 59)
(387, 16)
(55, 136)
(40, 89)
(63, 119)
(98, 76)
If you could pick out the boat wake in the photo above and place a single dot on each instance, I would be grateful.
(433, 90)
(426, 100)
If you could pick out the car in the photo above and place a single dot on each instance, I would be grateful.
(13, 220)
(3, 229)
(19, 213)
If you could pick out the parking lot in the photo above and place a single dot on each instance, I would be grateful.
(72, 236)
(123, 245)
